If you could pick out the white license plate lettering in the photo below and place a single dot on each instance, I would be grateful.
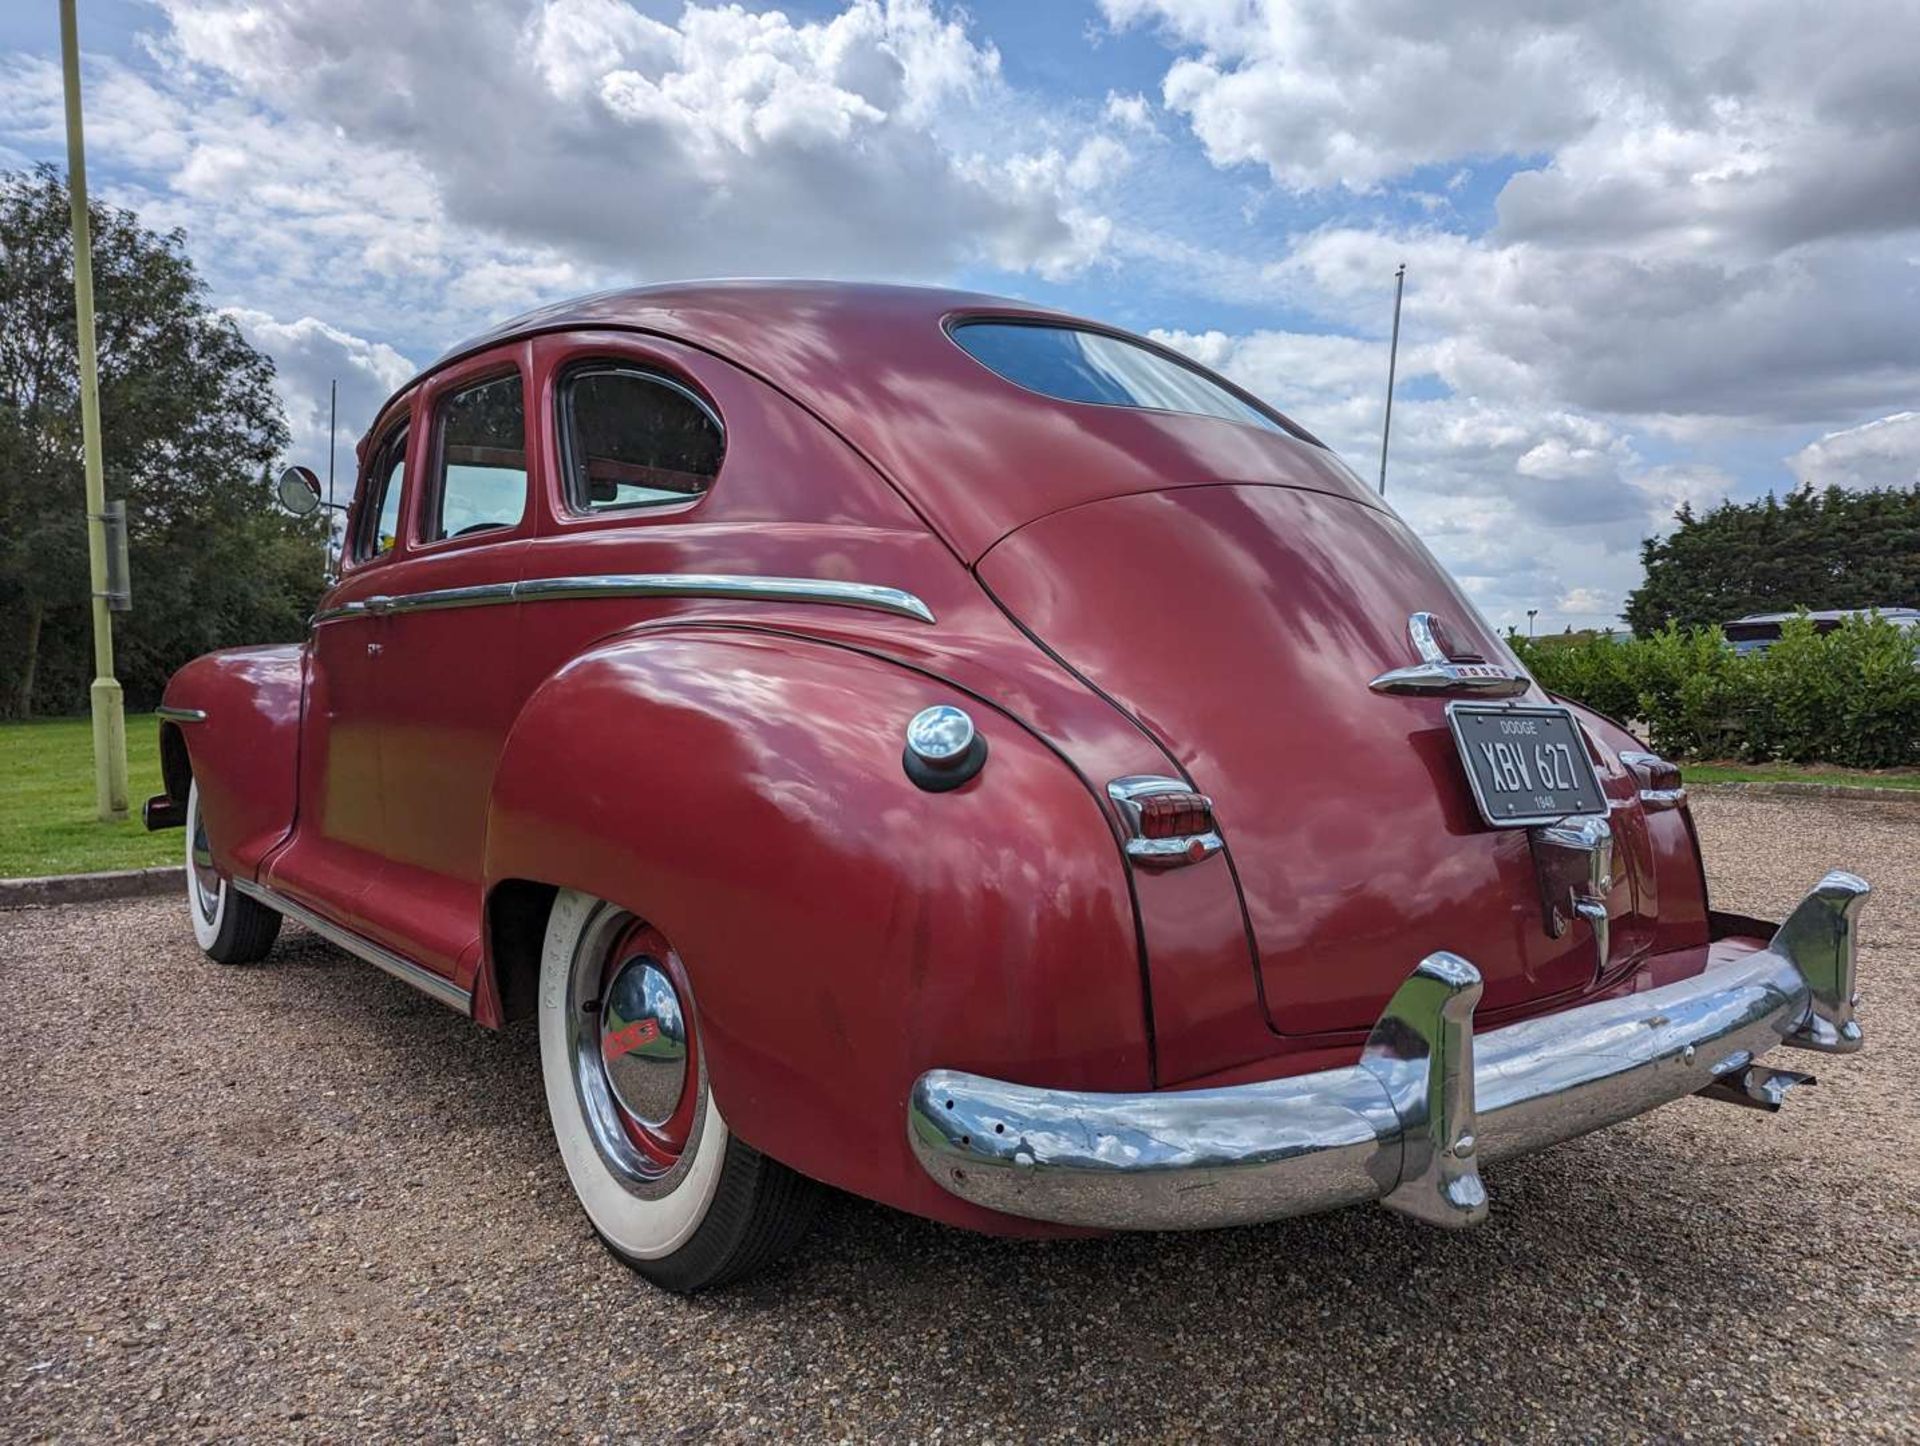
(1493, 766)
(1555, 765)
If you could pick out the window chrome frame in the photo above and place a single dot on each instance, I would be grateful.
(366, 519)
(434, 478)
(574, 508)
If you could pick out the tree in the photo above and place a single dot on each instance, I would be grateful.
(1832, 549)
(190, 426)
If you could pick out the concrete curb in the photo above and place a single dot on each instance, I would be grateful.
(91, 888)
(1810, 790)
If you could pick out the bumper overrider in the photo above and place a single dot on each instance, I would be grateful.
(1410, 1123)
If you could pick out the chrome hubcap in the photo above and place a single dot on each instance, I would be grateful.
(637, 1068)
(643, 1042)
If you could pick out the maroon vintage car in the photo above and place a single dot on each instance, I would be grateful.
(971, 757)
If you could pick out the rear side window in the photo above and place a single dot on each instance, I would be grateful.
(380, 508)
(1090, 366)
(481, 484)
(636, 439)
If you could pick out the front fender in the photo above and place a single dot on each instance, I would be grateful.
(245, 750)
(843, 929)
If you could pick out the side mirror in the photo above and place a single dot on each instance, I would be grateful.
(300, 491)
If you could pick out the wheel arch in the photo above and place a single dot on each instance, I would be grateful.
(176, 763)
(744, 791)
(516, 929)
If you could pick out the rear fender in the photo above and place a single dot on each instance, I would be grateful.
(237, 712)
(1672, 887)
(843, 929)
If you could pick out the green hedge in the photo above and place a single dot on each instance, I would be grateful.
(1849, 697)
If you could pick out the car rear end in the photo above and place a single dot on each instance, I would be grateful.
(1473, 917)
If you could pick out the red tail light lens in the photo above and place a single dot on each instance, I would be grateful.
(1175, 815)
(1167, 823)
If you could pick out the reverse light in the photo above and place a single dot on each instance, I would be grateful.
(1167, 822)
(1658, 780)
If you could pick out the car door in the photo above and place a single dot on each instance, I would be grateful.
(338, 842)
(447, 688)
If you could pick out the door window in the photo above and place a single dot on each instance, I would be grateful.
(380, 508)
(481, 469)
(636, 439)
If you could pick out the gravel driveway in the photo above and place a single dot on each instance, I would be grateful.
(303, 1201)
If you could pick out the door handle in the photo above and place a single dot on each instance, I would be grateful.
(373, 650)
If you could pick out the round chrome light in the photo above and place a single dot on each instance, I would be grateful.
(944, 750)
(940, 735)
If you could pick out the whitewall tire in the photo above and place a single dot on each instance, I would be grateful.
(667, 1187)
(228, 926)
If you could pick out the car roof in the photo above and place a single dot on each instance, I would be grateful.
(1834, 615)
(976, 454)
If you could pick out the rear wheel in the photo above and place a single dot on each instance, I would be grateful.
(669, 1190)
(230, 927)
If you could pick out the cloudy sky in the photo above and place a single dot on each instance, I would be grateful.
(1655, 252)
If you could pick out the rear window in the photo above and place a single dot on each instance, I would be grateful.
(1090, 366)
(635, 439)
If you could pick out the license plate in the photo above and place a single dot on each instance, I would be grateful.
(1527, 765)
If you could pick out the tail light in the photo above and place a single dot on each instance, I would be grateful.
(1658, 780)
(1167, 823)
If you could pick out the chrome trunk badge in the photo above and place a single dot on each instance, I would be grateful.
(1439, 674)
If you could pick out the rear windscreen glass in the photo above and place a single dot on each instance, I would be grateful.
(1089, 366)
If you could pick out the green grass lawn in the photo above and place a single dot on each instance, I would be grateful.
(1790, 773)
(47, 823)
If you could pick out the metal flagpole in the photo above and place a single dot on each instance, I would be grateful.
(1393, 357)
(333, 425)
(109, 718)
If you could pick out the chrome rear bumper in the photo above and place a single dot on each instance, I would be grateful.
(1409, 1124)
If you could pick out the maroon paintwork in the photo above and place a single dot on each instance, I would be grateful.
(1117, 592)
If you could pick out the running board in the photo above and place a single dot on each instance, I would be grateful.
(405, 970)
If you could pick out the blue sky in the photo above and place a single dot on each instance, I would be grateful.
(1629, 286)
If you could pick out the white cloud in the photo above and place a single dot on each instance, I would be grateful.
(1715, 222)
(308, 355)
(727, 141)
(1530, 505)
(1130, 112)
(1882, 453)
(1713, 118)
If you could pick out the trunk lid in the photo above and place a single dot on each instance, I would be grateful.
(1241, 625)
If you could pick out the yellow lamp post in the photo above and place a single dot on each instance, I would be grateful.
(109, 717)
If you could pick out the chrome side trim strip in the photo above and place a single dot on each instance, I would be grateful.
(646, 584)
(1410, 1122)
(181, 715)
(728, 585)
(425, 980)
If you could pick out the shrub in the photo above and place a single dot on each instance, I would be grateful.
(1592, 669)
(1850, 696)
